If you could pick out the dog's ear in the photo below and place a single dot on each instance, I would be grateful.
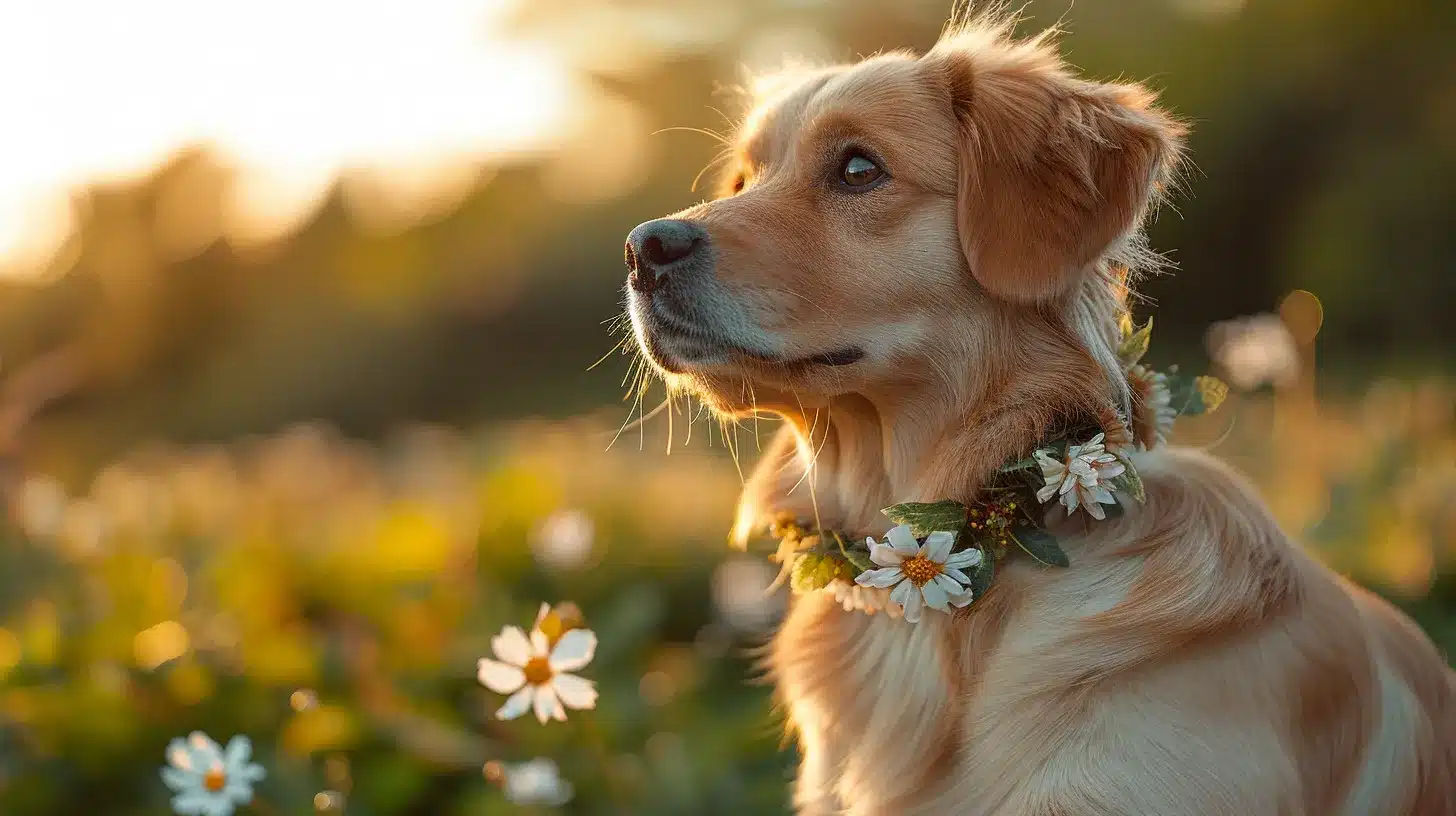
(1054, 170)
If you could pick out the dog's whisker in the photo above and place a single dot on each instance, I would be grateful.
(753, 401)
(631, 423)
(640, 385)
(616, 348)
(634, 370)
(731, 443)
(712, 134)
(802, 297)
(813, 459)
(723, 154)
(628, 395)
(814, 466)
(727, 120)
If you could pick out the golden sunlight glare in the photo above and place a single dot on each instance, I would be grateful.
(291, 93)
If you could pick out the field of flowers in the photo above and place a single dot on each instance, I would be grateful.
(331, 599)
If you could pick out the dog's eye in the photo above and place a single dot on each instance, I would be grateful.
(859, 171)
(739, 182)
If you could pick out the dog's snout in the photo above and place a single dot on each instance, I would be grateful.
(657, 247)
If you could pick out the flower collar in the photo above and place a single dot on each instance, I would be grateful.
(943, 555)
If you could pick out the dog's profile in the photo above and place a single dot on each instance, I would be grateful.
(920, 264)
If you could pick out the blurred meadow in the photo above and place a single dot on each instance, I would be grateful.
(298, 308)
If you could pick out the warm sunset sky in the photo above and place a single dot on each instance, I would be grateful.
(291, 91)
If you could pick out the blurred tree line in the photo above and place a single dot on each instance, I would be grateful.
(1324, 145)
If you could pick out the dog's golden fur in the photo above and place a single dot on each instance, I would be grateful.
(1192, 660)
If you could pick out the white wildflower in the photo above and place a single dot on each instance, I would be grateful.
(564, 540)
(1255, 350)
(921, 574)
(1081, 477)
(207, 780)
(534, 672)
(538, 782)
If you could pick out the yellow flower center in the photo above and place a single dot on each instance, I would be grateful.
(538, 671)
(920, 570)
(214, 780)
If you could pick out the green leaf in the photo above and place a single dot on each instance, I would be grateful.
(1130, 482)
(1041, 545)
(984, 573)
(1192, 396)
(802, 576)
(1021, 464)
(925, 519)
(1134, 342)
(814, 571)
(857, 558)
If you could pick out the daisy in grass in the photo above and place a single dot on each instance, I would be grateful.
(925, 574)
(1081, 477)
(533, 670)
(207, 780)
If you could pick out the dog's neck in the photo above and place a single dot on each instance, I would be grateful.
(843, 463)
(862, 455)
(942, 430)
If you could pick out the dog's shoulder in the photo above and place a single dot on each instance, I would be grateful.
(1206, 556)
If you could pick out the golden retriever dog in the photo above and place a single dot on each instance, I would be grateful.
(920, 263)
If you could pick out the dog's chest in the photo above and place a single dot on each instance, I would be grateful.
(872, 698)
(890, 714)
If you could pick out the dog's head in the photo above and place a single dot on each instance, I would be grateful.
(899, 221)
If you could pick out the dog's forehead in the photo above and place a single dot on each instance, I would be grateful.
(779, 112)
(887, 95)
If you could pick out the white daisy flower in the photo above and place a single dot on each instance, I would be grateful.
(207, 780)
(533, 672)
(1154, 413)
(922, 574)
(537, 782)
(1081, 477)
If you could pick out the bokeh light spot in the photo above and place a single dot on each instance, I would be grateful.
(302, 700)
(156, 645)
(1303, 313)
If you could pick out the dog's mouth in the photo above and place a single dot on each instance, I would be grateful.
(848, 355)
(679, 347)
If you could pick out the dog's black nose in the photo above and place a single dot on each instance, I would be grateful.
(655, 247)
